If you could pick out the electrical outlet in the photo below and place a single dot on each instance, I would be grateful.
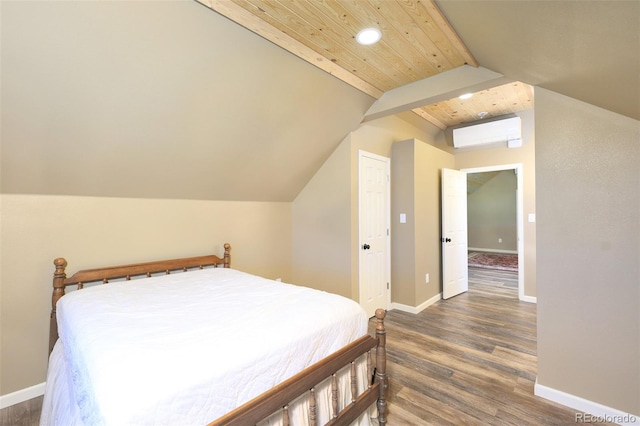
(426, 278)
(500, 240)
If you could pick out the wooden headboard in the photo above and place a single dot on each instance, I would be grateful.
(103, 275)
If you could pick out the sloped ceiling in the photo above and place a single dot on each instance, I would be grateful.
(162, 99)
(587, 50)
(417, 43)
(476, 180)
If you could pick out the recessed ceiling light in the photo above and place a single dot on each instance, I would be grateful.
(368, 36)
(466, 96)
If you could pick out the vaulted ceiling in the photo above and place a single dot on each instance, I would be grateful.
(161, 99)
(158, 99)
(417, 43)
(587, 50)
(550, 44)
(476, 180)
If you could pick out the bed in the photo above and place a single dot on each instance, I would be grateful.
(194, 341)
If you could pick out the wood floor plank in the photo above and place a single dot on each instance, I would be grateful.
(24, 414)
(469, 360)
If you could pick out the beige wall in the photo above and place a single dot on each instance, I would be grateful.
(97, 231)
(321, 235)
(429, 164)
(321, 223)
(403, 236)
(325, 213)
(491, 214)
(588, 186)
(378, 137)
(524, 155)
(415, 188)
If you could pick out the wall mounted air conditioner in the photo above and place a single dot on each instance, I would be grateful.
(489, 132)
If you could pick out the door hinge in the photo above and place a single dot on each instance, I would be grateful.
(387, 286)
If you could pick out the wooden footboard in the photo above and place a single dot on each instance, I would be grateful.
(280, 396)
(103, 275)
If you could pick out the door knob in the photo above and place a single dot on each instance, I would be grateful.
(366, 247)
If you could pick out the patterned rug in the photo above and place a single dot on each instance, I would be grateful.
(501, 261)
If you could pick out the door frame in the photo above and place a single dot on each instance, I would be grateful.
(519, 215)
(387, 160)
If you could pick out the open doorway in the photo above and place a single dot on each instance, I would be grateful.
(503, 234)
(492, 232)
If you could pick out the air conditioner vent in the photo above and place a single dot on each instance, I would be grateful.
(489, 132)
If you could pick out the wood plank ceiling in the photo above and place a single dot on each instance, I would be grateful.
(417, 42)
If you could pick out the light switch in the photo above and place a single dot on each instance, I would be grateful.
(532, 217)
(403, 218)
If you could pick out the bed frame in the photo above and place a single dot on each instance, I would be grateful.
(278, 398)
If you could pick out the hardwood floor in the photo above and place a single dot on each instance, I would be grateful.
(470, 360)
(24, 414)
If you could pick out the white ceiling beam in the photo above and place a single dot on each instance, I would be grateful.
(440, 87)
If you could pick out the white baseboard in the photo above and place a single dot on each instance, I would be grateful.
(416, 309)
(530, 299)
(594, 412)
(488, 250)
(22, 395)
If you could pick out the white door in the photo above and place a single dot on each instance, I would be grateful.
(374, 241)
(455, 273)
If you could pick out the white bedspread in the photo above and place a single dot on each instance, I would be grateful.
(186, 348)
